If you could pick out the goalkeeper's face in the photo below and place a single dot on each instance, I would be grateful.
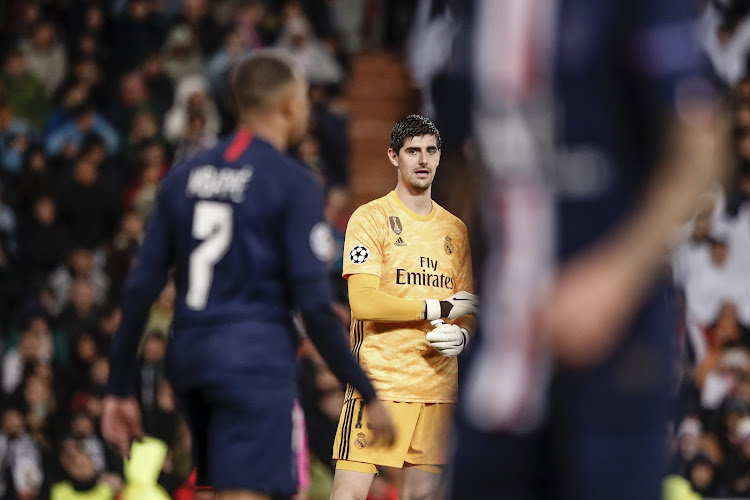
(417, 161)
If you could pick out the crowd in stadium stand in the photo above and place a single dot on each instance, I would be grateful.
(97, 100)
(710, 442)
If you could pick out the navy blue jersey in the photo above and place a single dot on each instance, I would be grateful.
(241, 226)
(238, 221)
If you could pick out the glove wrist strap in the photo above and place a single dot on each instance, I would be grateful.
(432, 309)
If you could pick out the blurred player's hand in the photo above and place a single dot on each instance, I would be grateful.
(449, 340)
(380, 423)
(121, 423)
(455, 306)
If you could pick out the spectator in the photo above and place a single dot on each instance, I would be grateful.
(119, 261)
(8, 226)
(26, 95)
(137, 33)
(71, 96)
(182, 54)
(195, 138)
(192, 96)
(45, 55)
(195, 16)
(87, 70)
(86, 205)
(16, 141)
(20, 459)
(82, 314)
(739, 467)
(43, 241)
(141, 195)
(83, 430)
(81, 265)
(707, 288)
(329, 125)
(86, 120)
(39, 404)
(159, 85)
(82, 481)
(247, 24)
(151, 373)
(145, 129)
(109, 320)
(34, 346)
(35, 179)
(299, 41)
(85, 353)
(134, 97)
(233, 50)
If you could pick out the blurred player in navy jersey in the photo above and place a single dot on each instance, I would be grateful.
(241, 227)
(599, 132)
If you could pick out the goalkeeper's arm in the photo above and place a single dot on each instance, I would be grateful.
(368, 303)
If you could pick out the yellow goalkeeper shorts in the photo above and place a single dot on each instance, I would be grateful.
(422, 431)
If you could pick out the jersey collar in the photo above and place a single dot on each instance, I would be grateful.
(424, 218)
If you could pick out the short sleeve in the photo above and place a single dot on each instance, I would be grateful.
(363, 246)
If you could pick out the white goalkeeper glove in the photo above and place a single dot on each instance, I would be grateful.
(453, 307)
(449, 340)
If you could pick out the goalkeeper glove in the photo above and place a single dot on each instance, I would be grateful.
(449, 340)
(453, 307)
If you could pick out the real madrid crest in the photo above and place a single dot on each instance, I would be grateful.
(360, 442)
(395, 223)
(448, 245)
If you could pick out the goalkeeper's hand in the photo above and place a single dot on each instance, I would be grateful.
(453, 307)
(449, 340)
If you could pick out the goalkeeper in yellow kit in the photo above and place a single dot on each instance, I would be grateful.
(407, 261)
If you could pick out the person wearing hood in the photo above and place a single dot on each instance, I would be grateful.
(192, 96)
(45, 55)
(182, 54)
(297, 38)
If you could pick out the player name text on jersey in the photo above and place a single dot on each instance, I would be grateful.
(224, 183)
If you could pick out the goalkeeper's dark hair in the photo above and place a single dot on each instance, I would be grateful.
(413, 126)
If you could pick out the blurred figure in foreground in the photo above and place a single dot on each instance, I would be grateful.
(599, 132)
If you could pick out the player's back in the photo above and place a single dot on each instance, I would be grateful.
(226, 211)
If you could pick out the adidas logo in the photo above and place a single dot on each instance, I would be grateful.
(400, 242)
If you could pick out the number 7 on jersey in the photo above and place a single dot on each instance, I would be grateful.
(212, 223)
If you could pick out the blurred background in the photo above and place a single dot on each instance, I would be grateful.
(99, 98)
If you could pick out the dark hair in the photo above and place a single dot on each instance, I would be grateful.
(255, 80)
(413, 126)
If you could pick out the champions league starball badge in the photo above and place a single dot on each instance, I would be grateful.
(359, 254)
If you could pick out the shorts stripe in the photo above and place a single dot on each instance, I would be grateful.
(358, 335)
(360, 338)
(348, 414)
(352, 404)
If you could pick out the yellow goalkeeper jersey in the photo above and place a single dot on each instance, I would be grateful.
(416, 257)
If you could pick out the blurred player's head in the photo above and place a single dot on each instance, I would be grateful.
(415, 151)
(271, 92)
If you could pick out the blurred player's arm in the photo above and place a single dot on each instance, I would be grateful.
(121, 415)
(597, 292)
(308, 282)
